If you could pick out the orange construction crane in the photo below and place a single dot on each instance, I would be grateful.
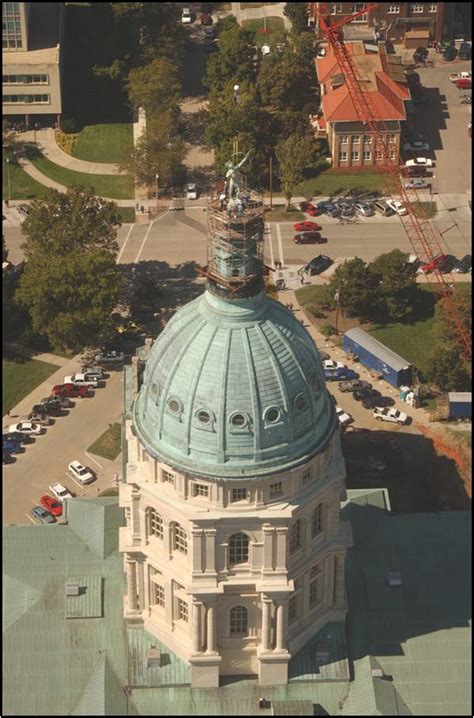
(423, 234)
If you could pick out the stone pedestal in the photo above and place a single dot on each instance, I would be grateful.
(273, 668)
(205, 670)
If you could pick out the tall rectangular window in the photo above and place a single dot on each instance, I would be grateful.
(276, 489)
(355, 156)
(239, 494)
(355, 8)
(200, 490)
(367, 154)
(167, 477)
(292, 609)
(158, 594)
(306, 475)
(392, 139)
(416, 8)
(314, 592)
(434, 7)
(355, 139)
(342, 156)
(182, 610)
(393, 9)
(344, 139)
(367, 139)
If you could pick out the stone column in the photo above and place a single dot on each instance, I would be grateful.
(141, 585)
(135, 514)
(280, 627)
(211, 629)
(281, 548)
(339, 590)
(196, 648)
(268, 534)
(131, 585)
(225, 546)
(210, 550)
(266, 608)
(197, 535)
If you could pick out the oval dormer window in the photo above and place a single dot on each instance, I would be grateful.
(174, 406)
(272, 415)
(299, 402)
(238, 420)
(204, 417)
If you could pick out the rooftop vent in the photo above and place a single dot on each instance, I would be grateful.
(153, 657)
(394, 578)
(377, 673)
(72, 589)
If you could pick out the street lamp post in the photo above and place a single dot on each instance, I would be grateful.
(236, 93)
(156, 190)
(8, 179)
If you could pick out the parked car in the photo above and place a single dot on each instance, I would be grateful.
(40, 418)
(333, 210)
(38, 512)
(465, 100)
(51, 505)
(309, 238)
(80, 472)
(420, 54)
(414, 171)
(323, 355)
(97, 370)
(318, 264)
(397, 206)
(26, 427)
(447, 265)
(346, 208)
(365, 393)
(12, 446)
(71, 391)
(46, 409)
(383, 208)
(23, 209)
(465, 51)
(323, 204)
(60, 492)
(307, 227)
(80, 380)
(339, 374)
(331, 364)
(186, 16)
(393, 415)
(464, 84)
(450, 54)
(455, 76)
(309, 208)
(206, 19)
(416, 184)
(419, 162)
(191, 191)
(7, 458)
(431, 265)
(344, 417)
(62, 402)
(110, 357)
(464, 265)
(364, 209)
(416, 147)
(15, 436)
(379, 401)
(355, 385)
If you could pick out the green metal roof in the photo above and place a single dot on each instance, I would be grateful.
(88, 604)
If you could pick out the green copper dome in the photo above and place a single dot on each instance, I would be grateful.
(234, 388)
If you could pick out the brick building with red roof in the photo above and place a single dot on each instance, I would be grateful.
(339, 121)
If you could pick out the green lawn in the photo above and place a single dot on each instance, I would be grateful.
(109, 444)
(20, 377)
(127, 214)
(279, 214)
(21, 184)
(104, 143)
(331, 182)
(274, 24)
(113, 186)
(414, 342)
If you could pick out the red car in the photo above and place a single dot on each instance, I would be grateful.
(72, 391)
(206, 19)
(431, 266)
(310, 208)
(464, 83)
(53, 506)
(307, 227)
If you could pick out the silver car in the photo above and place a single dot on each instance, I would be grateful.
(364, 208)
(419, 183)
(44, 516)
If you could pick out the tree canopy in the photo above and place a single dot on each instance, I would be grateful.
(70, 284)
(155, 86)
(234, 60)
(446, 370)
(294, 154)
(13, 146)
(398, 286)
(358, 289)
(297, 12)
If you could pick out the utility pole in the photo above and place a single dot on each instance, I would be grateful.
(9, 183)
(156, 190)
(271, 181)
(336, 297)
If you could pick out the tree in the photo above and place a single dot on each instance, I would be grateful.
(70, 284)
(293, 155)
(398, 285)
(234, 60)
(358, 289)
(297, 13)
(158, 151)
(77, 221)
(446, 371)
(156, 87)
(71, 298)
(286, 78)
(13, 147)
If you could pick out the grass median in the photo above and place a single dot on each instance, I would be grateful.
(109, 444)
(104, 143)
(20, 377)
(20, 185)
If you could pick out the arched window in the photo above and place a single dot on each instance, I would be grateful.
(317, 521)
(238, 548)
(155, 523)
(296, 536)
(238, 621)
(179, 539)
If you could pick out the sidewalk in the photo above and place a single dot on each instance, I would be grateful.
(46, 141)
(258, 13)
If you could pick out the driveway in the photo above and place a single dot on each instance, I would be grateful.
(444, 123)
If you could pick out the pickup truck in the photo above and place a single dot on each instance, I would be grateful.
(455, 76)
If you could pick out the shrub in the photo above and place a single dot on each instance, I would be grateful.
(65, 142)
(328, 330)
(69, 125)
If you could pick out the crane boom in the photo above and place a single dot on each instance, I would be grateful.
(423, 234)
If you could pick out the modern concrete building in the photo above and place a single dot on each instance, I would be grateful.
(338, 121)
(408, 24)
(32, 62)
(234, 550)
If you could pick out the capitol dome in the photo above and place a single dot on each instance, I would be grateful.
(234, 388)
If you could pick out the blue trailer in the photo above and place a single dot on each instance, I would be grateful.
(374, 355)
(460, 405)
